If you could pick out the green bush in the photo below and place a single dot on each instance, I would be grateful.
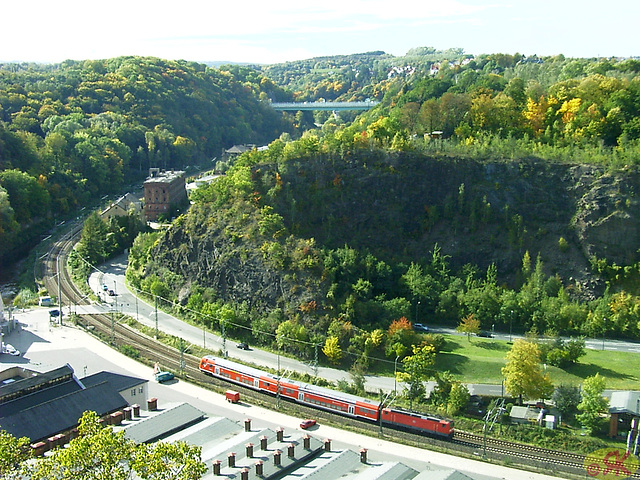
(563, 245)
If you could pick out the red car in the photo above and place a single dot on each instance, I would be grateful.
(307, 423)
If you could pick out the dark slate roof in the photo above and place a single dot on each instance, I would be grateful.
(117, 381)
(38, 397)
(9, 391)
(62, 414)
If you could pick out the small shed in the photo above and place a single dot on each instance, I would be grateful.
(523, 414)
(623, 406)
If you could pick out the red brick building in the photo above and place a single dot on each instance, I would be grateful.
(163, 191)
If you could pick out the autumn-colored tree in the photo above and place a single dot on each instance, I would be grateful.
(523, 372)
(400, 336)
(469, 324)
(332, 350)
(374, 340)
(417, 369)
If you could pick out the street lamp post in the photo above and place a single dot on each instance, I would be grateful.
(417, 303)
(155, 298)
(604, 329)
(510, 325)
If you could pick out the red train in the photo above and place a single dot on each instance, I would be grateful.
(324, 398)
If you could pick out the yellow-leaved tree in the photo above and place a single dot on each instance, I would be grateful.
(523, 372)
(332, 350)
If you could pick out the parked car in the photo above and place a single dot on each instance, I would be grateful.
(111, 293)
(54, 312)
(485, 334)
(419, 327)
(307, 423)
(243, 346)
(11, 350)
(164, 377)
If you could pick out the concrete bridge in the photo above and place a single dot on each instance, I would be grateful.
(330, 106)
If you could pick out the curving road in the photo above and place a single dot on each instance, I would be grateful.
(112, 277)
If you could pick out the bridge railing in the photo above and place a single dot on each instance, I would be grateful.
(295, 106)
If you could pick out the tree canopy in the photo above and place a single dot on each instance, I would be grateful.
(523, 372)
(100, 453)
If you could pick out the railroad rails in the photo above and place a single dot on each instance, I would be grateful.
(109, 329)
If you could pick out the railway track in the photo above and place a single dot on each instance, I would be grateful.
(121, 336)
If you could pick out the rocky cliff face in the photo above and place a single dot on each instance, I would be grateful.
(399, 207)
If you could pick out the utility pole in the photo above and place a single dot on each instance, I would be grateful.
(224, 342)
(315, 362)
(380, 412)
(59, 289)
(181, 357)
(395, 374)
(156, 303)
(278, 384)
(510, 325)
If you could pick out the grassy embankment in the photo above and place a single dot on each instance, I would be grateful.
(480, 361)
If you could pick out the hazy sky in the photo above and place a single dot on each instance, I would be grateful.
(270, 31)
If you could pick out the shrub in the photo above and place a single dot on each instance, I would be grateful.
(563, 245)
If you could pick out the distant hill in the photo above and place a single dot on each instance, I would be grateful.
(76, 131)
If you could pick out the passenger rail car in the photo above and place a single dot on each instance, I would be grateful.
(323, 398)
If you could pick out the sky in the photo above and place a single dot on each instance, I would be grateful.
(274, 31)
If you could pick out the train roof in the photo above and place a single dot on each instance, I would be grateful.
(306, 387)
(223, 362)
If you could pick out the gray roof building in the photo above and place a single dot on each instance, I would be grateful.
(625, 402)
(41, 405)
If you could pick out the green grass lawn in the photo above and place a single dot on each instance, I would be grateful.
(480, 361)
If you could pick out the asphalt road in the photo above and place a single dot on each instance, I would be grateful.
(112, 276)
(46, 346)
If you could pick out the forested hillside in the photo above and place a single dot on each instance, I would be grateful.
(296, 250)
(497, 186)
(73, 132)
(554, 101)
(520, 211)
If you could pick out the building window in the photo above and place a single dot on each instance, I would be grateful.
(133, 392)
(141, 390)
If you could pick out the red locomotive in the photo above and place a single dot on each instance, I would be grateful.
(324, 398)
